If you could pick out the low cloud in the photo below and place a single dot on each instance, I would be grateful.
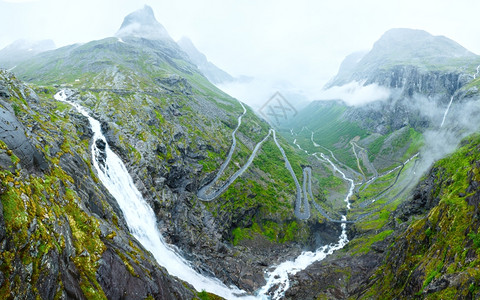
(355, 94)
(255, 92)
(462, 120)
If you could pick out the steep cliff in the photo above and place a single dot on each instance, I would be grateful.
(62, 234)
(212, 72)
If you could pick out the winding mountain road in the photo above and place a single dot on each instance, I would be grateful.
(358, 162)
(366, 203)
(304, 192)
(202, 193)
(305, 214)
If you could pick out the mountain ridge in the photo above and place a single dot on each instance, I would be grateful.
(411, 49)
(177, 150)
(211, 71)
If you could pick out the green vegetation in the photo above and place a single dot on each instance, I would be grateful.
(438, 243)
(43, 210)
(272, 231)
(375, 147)
(43, 200)
(203, 295)
(325, 119)
(363, 244)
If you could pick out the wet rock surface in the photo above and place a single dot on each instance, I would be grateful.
(49, 255)
(12, 133)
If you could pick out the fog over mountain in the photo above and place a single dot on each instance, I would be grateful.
(248, 161)
(142, 23)
(302, 43)
(23, 49)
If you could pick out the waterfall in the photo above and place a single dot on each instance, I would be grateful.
(139, 215)
(446, 112)
(476, 74)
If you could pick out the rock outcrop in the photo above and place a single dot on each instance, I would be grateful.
(62, 234)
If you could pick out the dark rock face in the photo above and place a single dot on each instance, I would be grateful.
(412, 80)
(12, 133)
(337, 277)
(118, 282)
(424, 198)
(102, 154)
(175, 82)
(4, 91)
(47, 284)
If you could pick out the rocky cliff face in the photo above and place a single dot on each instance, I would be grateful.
(418, 50)
(61, 233)
(413, 80)
(142, 23)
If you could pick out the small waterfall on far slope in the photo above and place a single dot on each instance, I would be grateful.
(139, 215)
(446, 112)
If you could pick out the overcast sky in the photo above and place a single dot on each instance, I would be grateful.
(300, 42)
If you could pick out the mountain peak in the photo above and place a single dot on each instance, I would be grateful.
(404, 47)
(142, 23)
(408, 43)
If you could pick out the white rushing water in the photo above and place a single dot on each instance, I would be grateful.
(352, 184)
(141, 219)
(143, 226)
(476, 74)
(446, 112)
(277, 280)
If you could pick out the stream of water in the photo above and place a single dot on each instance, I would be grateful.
(140, 217)
(446, 112)
(142, 223)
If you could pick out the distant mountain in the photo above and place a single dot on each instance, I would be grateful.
(142, 23)
(348, 65)
(423, 74)
(402, 53)
(23, 49)
(212, 72)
